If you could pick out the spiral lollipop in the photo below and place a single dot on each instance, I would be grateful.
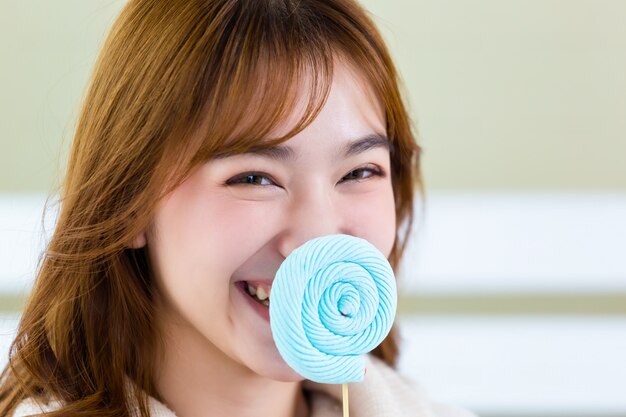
(333, 300)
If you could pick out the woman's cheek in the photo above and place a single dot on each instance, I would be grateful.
(373, 218)
(245, 226)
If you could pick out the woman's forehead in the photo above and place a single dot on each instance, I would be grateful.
(351, 100)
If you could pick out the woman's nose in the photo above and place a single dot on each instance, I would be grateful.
(308, 220)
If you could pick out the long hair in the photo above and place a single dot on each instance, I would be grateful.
(177, 83)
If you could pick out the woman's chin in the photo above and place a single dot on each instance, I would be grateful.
(288, 376)
(278, 370)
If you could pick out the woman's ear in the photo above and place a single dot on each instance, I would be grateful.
(139, 241)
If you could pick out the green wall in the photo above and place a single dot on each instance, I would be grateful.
(515, 95)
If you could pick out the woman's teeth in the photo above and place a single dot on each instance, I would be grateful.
(260, 293)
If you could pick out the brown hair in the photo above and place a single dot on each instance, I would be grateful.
(170, 89)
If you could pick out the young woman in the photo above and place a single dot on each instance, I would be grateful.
(216, 137)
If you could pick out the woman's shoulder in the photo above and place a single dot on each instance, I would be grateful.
(383, 392)
(30, 407)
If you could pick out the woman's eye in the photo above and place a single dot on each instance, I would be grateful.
(261, 179)
(251, 178)
(361, 174)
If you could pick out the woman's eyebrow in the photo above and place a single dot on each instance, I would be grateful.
(286, 153)
(366, 143)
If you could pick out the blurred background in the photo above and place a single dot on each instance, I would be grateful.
(514, 285)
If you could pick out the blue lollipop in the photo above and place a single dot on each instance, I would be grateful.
(333, 299)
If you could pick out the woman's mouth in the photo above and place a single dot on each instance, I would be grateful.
(259, 292)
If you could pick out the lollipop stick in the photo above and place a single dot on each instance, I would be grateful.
(344, 391)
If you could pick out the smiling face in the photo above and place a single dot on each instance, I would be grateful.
(225, 231)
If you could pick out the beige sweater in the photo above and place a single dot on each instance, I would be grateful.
(383, 393)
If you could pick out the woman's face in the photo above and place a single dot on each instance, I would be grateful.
(229, 226)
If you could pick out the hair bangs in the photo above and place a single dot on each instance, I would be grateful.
(272, 100)
(266, 78)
